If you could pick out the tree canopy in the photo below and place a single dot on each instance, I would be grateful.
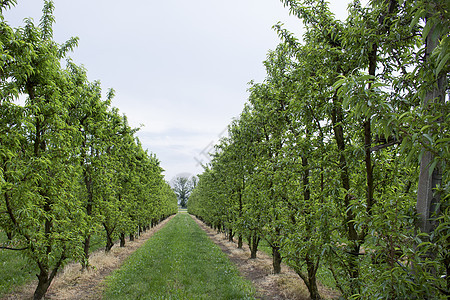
(339, 159)
(70, 165)
(183, 186)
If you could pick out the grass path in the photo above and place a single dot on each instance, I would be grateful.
(178, 262)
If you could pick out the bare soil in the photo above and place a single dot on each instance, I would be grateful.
(72, 283)
(259, 271)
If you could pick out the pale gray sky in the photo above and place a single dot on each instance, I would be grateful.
(180, 68)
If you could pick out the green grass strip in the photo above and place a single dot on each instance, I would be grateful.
(178, 262)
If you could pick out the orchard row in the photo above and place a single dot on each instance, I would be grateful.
(70, 164)
(340, 158)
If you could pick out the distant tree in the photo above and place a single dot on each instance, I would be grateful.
(183, 186)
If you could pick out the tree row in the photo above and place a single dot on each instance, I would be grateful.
(70, 165)
(339, 159)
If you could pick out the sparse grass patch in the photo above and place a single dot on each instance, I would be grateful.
(178, 262)
(15, 268)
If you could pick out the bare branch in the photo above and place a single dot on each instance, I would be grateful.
(15, 249)
(385, 145)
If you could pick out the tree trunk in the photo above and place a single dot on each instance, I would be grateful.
(240, 243)
(311, 267)
(86, 246)
(310, 277)
(45, 278)
(368, 133)
(43, 284)
(254, 246)
(89, 205)
(312, 282)
(122, 240)
(109, 241)
(230, 235)
(131, 237)
(276, 260)
(337, 118)
(368, 162)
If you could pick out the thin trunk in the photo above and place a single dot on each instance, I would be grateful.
(337, 120)
(86, 246)
(309, 278)
(240, 216)
(122, 239)
(276, 259)
(43, 284)
(312, 281)
(254, 246)
(240, 243)
(310, 265)
(131, 237)
(368, 135)
(230, 235)
(109, 241)
(89, 204)
(45, 278)
(87, 240)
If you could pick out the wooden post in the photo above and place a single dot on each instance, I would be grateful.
(427, 197)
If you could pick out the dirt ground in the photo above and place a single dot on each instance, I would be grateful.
(286, 285)
(72, 284)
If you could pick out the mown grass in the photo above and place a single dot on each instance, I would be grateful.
(178, 262)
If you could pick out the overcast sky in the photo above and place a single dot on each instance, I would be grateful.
(179, 68)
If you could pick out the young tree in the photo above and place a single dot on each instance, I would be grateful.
(43, 212)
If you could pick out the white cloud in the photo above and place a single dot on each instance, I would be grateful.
(179, 67)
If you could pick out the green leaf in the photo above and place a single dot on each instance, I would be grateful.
(432, 167)
(442, 63)
(444, 140)
(403, 115)
(379, 84)
(428, 137)
(426, 30)
(366, 77)
(416, 18)
(338, 83)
